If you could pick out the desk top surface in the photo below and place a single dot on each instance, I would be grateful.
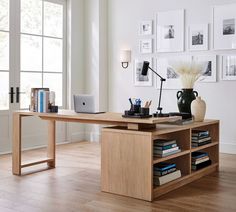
(103, 118)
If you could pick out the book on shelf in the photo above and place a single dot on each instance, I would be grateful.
(200, 160)
(164, 166)
(200, 144)
(166, 154)
(196, 155)
(157, 151)
(200, 133)
(165, 147)
(165, 172)
(164, 142)
(201, 140)
(158, 181)
(204, 164)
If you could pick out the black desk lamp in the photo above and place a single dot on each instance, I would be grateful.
(144, 73)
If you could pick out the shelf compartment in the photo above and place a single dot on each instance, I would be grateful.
(158, 160)
(194, 149)
(185, 179)
(182, 138)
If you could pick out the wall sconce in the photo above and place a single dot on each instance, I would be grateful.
(125, 58)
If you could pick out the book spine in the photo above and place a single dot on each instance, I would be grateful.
(40, 101)
(45, 101)
(166, 151)
(165, 168)
(165, 147)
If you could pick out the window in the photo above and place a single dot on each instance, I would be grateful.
(42, 47)
(4, 54)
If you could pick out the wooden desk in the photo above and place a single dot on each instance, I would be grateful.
(127, 150)
(70, 116)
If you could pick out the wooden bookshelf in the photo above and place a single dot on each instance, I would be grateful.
(127, 158)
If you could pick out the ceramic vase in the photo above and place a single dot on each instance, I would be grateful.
(185, 98)
(198, 109)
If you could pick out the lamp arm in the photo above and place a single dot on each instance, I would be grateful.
(162, 79)
(159, 102)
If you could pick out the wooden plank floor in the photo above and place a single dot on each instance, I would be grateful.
(75, 186)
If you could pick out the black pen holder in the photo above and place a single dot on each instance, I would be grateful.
(135, 108)
(144, 111)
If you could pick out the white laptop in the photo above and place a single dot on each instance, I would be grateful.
(85, 104)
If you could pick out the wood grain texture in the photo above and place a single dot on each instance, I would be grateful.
(108, 118)
(16, 144)
(75, 186)
(127, 164)
(51, 148)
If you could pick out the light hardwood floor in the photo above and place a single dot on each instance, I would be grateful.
(75, 186)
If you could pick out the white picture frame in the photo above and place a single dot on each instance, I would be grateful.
(209, 72)
(146, 46)
(163, 67)
(146, 28)
(170, 31)
(139, 80)
(224, 22)
(228, 67)
(198, 37)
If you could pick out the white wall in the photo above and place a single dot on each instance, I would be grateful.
(96, 59)
(75, 62)
(124, 17)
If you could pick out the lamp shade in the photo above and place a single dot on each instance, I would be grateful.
(145, 68)
(125, 56)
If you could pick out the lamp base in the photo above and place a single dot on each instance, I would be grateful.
(161, 114)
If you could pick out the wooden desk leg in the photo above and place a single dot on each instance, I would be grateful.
(16, 145)
(51, 149)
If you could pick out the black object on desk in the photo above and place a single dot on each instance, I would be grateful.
(144, 73)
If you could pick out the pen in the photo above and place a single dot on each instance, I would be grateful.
(130, 101)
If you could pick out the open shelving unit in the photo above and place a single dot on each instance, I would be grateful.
(127, 158)
(183, 159)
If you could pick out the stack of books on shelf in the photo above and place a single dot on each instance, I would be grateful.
(41, 100)
(165, 147)
(200, 138)
(164, 173)
(200, 160)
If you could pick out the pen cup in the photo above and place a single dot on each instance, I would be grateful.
(135, 108)
(144, 111)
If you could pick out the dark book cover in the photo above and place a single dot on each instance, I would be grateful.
(201, 165)
(164, 166)
(200, 133)
(199, 154)
(200, 144)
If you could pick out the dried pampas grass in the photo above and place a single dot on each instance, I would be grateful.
(189, 72)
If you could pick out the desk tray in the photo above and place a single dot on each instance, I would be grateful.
(137, 116)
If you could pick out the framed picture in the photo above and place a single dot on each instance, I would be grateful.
(146, 46)
(163, 67)
(170, 31)
(198, 37)
(145, 28)
(139, 79)
(209, 73)
(224, 18)
(228, 67)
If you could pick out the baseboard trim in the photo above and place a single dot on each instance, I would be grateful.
(35, 147)
(229, 148)
(93, 136)
(75, 137)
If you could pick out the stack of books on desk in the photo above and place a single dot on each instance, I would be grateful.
(200, 160)
(164, 173)
(200, 138)
(165, 147)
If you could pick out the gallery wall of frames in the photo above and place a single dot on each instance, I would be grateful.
(166, 34)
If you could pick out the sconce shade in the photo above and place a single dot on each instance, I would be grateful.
(125, 56)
